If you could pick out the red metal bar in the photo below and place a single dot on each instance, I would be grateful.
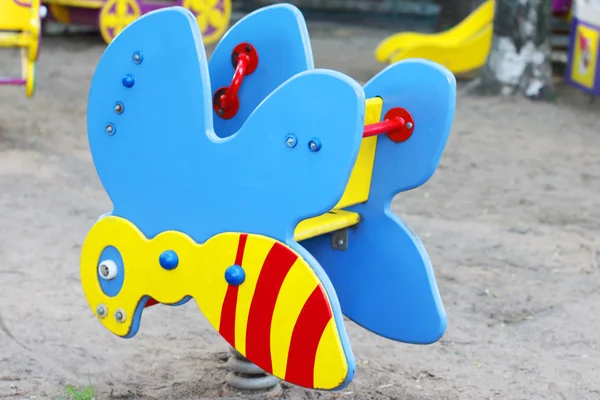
(244, 59)
(386, 126)
(228, 98)
(398, 125)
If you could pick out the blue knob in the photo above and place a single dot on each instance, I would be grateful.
(235, 275)
(128, 80)
(168, 260)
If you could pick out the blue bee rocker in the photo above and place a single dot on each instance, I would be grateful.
(261, 187)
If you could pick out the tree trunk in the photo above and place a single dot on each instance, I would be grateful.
(520, 57)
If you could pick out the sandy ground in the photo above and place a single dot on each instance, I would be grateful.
(511, 220)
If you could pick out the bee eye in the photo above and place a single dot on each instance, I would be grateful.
(108, 269)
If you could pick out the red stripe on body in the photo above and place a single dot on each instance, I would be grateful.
(227, 323)
(309, 328)
(258, 331)
(151, 302)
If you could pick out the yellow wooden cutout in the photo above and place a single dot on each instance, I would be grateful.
(359, 185)
(326, 223)
(115, 15)
(200, 274)
(208, 14)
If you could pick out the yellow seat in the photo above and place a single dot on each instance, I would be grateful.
(357, 190)
(20, 27)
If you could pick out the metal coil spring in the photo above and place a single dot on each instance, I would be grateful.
(248, 377)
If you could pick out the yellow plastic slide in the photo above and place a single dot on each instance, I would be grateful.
(463, 48)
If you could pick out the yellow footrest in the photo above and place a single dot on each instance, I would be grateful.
(329, 222)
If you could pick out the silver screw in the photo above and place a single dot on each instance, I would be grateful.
(409, 125)
(290, 141)
(313, 146)
(101, 311)
(110, 129)
(137, 58)
(340, 242)
(120, 315)
(118, 108)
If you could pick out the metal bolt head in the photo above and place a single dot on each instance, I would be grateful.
(137, 57)
(118, 108)
(409, 125)
(291, 141)
(120, 315)
(340, 242)
(110, 129)
(101, 311)
(314, 145)
(108, 270)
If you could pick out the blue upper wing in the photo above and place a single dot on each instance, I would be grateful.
(280, 37)
(165, 169)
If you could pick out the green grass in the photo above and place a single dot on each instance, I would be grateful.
(80, 392)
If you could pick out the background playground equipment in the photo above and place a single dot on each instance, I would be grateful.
(260, 176)
(20, 26)
(582, 70)
(111, 16)
(465, 47)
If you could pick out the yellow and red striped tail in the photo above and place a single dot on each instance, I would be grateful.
(275, 310)
(280, 317)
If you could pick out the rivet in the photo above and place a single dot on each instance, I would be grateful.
(340, 242)
(409, 125)
(221, 112)
(110, 129)
(235, 275)
(120, 315)
(291, 141)
(137, 57)
(101, 311)
(314, 144)
(119, 108)
(168, 260)
(128, 80)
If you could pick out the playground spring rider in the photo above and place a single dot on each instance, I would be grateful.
(265, 198)
(20, 27)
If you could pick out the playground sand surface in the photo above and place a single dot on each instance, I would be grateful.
(511, 221)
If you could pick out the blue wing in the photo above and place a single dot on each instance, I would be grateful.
(430, 96)
(280, 37)
(165, 169)
(385, 281)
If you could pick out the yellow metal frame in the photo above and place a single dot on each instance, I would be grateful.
(76, 3)
(20, 27)
(357, 190)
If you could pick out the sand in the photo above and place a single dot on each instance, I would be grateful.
(511, 221)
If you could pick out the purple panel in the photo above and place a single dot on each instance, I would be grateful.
(561, 6)
(84, 16)
(155, 5)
